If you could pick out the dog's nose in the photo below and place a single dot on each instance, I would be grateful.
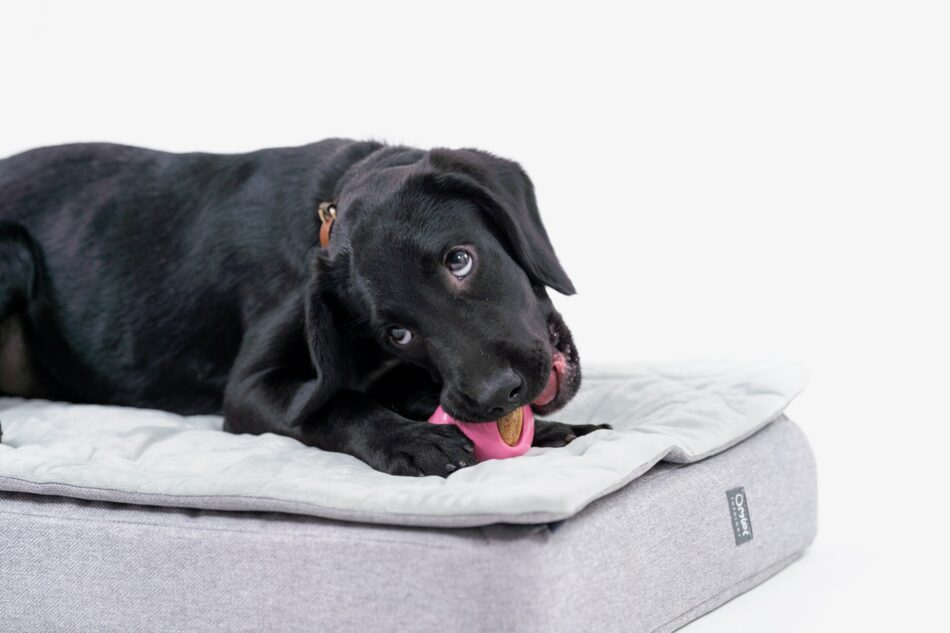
(498, 392)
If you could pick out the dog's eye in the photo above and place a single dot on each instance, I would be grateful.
(400, 336)
(459, 261)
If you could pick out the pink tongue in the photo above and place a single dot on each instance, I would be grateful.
(550, 390)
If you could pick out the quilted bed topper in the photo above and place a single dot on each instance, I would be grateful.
(678, 412)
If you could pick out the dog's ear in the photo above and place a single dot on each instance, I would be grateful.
(507, 195)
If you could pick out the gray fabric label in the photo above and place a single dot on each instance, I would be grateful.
(739, 511)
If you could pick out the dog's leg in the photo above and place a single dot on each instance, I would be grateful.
(559, 434)
(274, 387)
(17, 269)
(354, 424)
(17, 286)
(349, 422)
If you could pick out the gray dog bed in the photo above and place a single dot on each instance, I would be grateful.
(116, 519)
(658, 553)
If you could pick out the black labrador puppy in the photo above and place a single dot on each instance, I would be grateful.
(196, 283)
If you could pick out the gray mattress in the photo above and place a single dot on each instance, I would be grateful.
(652, 556)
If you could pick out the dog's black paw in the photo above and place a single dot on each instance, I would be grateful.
(419, 448)
(560, 434)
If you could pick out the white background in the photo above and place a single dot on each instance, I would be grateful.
(726, 180)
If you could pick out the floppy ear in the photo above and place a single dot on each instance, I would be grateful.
(508, 198)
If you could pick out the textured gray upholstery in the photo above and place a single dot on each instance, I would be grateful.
(649, 557)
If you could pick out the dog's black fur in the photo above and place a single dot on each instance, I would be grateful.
(195, 283)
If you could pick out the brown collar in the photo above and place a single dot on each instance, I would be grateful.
(327, 214)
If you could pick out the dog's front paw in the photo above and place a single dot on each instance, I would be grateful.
(420, 449)
(560, 434)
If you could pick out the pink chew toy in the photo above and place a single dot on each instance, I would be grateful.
(488, 439)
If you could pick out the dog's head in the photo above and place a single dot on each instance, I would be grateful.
(443, 256)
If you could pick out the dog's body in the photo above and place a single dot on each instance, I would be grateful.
(194, 283)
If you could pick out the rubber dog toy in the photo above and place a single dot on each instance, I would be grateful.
(510, 436)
